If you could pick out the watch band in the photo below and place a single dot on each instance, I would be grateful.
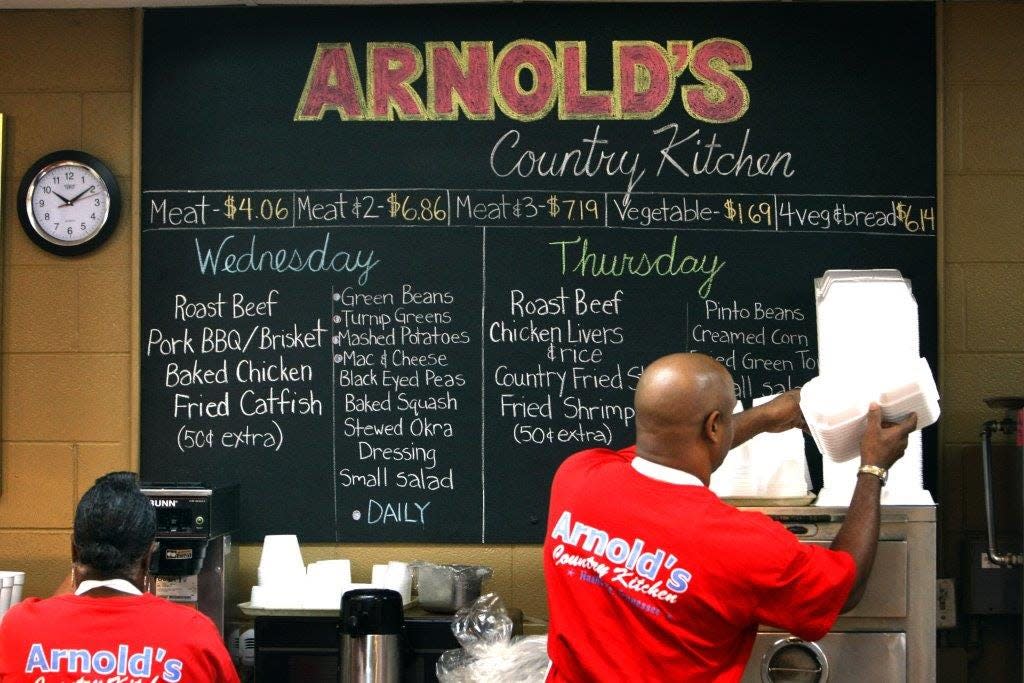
(880, 472)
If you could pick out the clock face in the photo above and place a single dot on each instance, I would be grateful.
(68, 203)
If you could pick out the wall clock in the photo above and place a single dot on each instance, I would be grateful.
(69, 202)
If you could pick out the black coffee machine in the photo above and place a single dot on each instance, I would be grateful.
(195, 563)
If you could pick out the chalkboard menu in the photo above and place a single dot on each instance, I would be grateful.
(399, 262)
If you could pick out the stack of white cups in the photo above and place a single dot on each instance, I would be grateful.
(734, 478)
(285, 583)
(326, 582)
(767, 466)
(396, 576)
(781, 461)
(11, 585)
(281, 574)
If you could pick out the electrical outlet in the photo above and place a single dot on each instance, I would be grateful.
(945, 603)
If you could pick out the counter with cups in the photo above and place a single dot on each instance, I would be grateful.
(285, 582)
(311, 620)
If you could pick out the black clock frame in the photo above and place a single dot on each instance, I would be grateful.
(113, 213)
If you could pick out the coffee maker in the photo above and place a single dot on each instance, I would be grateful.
(194, 563)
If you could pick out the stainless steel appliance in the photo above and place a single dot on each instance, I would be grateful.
(890, 635)
(371, 629)
(447, 588)
(194, 563)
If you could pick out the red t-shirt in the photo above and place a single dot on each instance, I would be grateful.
(70, 638)
(649, 580)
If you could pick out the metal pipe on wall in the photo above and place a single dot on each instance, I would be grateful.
(1012, 423)
(990, 427)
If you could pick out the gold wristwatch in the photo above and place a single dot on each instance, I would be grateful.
(880, 472)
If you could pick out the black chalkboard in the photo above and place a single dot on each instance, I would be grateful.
(390, 312)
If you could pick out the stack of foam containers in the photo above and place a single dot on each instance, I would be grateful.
(734, 478)
(781, 461)
(867, 334)
(767, 466)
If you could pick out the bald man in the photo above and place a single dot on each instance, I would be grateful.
(651, 577)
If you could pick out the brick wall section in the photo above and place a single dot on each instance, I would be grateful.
(984, 257)
(67, 356)
(983, 331)
(66, 81)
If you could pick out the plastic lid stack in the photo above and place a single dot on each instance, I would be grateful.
(868, 351)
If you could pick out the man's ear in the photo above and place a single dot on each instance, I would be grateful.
(713, 426)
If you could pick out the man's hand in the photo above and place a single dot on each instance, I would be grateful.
(778, 415)
(784, 412)
(883, 443)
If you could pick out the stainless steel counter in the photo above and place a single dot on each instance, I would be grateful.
(890, 635)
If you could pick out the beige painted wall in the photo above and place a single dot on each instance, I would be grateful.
(67, 326)
(69, 359)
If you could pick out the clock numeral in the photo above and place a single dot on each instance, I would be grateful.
(71, 231)
(42, 203)
(69, 176)
(46, 189)
(96, 201)
(46, 216)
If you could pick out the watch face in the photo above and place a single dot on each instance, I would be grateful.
(68, 203)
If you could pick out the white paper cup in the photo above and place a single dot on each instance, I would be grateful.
(339, 571)
(379, 575)
(322, 593)
(6, 588)
(399, 578)
(256, 595)
(276, 597)
(281, 551)
(280, 577)
(19, 584)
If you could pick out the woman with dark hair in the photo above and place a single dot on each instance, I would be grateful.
(110, 629)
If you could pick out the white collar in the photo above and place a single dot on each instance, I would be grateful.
(120, 585)
(670, 475)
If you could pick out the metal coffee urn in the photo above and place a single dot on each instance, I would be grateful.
(371, 627)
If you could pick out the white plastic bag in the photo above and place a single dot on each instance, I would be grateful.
(489, 652)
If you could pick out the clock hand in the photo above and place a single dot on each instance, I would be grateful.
(85, 196)
(79, 195)
(67, 202)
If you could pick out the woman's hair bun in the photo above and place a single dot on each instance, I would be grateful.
(114, 525)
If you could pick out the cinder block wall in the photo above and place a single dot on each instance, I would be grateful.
(69, 358)
(67, 324)
(983, 330)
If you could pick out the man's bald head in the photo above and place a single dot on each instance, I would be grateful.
(674, 399)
